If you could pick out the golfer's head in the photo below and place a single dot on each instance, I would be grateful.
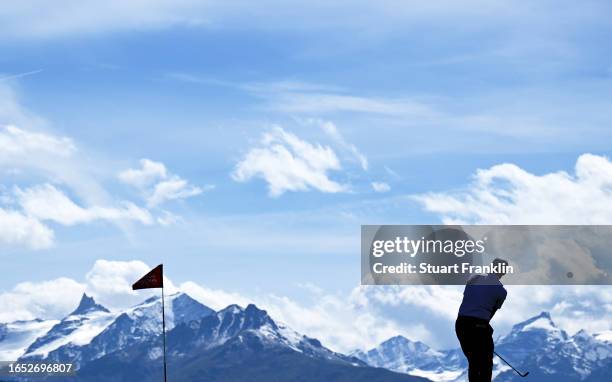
(500, 266)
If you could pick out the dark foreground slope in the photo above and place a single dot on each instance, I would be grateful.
(225, 364)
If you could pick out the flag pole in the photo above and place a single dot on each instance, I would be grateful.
(155, 279)
(164, 331)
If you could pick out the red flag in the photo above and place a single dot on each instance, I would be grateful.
(153, 279)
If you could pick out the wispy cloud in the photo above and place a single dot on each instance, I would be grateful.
(381, 186)
(322, 103)
(332, 131)
(46, 203)
(24, 212)
(157, 184)
(149, 172)
(19, 142)
(64, 186)
(19, 75)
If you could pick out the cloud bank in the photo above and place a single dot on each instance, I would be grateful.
(361, 318)
(508, 194)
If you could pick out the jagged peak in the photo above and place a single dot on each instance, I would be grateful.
(541, 321)
(232, 309)
(252, 308)
(169, 297)
(183, 297)
(250, 317)
(544, 314)
(88, 305)
(582, 334)
(398, 339)
(249, 311)
(404, 343)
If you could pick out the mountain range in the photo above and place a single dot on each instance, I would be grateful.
(246, 344)
(536, 345)
(233, 344)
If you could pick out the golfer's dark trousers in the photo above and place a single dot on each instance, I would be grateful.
(476, 338)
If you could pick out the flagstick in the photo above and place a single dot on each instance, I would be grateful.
(164, 330)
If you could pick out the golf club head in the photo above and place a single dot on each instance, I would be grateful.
(524, 375)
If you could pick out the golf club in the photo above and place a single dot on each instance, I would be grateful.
(508, 363)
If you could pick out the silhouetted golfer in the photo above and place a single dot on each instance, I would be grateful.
(483, 295)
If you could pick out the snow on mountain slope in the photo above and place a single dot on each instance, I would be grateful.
(536, 344)
(98, 332)
(235, 344)
(91, 332)
(78, 328)
(415, 358)
(15, 337)
(537, 333)
(247, 327)
(605, 336)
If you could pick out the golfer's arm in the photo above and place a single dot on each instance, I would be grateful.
(498, 305)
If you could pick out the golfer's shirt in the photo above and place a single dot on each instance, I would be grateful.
(483, 295)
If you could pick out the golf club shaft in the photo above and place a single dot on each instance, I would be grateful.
(508, 363)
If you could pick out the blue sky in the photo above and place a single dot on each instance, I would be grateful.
(415, 98)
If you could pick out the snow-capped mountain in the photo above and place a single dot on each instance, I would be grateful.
(16, 337)
(538, 332)
(233, 344)
(536, 345)
(251, 324)
(560, 357)
(247, 344)
(76, 329)
(416, 358)
(92, 331)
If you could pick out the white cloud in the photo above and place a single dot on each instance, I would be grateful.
(46, 299)
(171, 189)
(108, 281)
(167, 218)
(320, 103)
(32, 153)
(45, 202)
(111, 283)
(288, 163)
(340, 321)
(16, 141)
(157, 184)
(213, 298)
(381, 187)
(507, 194)
(19, 229)
(439, 300)
(331, 130)
(149, 172)
(28, 147)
